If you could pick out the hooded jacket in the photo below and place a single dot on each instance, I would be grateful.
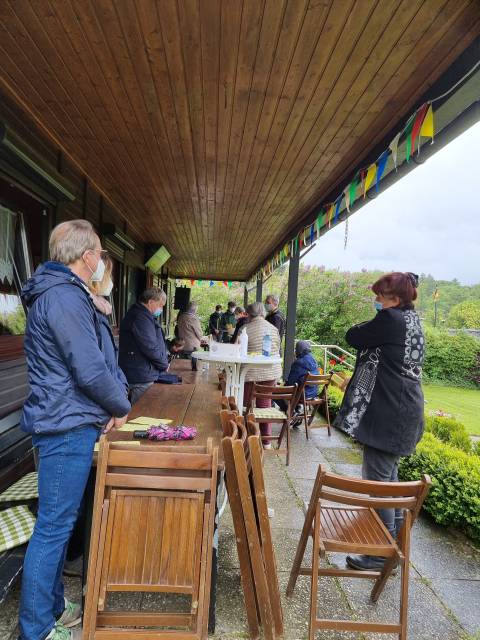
(304, 364)
(103, 310)
(71, 385)
(143, 352)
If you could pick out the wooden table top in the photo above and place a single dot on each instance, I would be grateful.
(195, 402)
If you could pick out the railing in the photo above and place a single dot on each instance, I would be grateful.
(334, 352)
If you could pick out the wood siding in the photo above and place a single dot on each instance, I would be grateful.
(214, 126)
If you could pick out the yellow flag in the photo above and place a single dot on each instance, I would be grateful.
(426, 130)
(372, 170)
(330, 214)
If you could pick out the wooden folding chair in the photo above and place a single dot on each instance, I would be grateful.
(312, 405)
(246, 490)
(152, 531)
(224, 403)
(276, 416)
(358, 529)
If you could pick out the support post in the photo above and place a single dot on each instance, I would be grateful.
(259, 289)
(291, 329)
(245, 296)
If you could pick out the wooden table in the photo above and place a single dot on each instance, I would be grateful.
(195, 402)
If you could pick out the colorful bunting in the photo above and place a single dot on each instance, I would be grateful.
(408, 132)
(427, 129)
(393, 146)
(330, 215)
(312, 234)
(337, 207)
(418, 123)
(212, 283)
(381, 164)
(371, 173)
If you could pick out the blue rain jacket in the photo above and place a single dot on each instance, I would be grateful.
(71, 384)
(302, 366)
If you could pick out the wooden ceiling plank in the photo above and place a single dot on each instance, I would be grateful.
(417, 50)
(109, 21)
(321, 104)
(294, 100)
(35, 77)
(267, 44)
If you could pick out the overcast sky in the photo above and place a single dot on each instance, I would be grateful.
(427, 222)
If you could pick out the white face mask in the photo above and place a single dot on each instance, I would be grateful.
(107, 289)
(97, 275)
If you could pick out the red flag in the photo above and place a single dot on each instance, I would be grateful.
(418, 123)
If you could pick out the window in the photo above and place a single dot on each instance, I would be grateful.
(15, 268)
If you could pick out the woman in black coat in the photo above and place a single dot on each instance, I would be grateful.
(383, 407)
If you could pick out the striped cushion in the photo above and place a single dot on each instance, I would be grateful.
(24, 489)
(16, 527)
(270, 414)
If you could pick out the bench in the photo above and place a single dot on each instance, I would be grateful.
(16, 455)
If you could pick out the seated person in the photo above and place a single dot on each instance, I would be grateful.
(303, 364)
(175, 347)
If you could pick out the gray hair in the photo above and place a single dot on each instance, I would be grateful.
(69, 241)
(273, 298)
(256, 310)
(192, 307)
(239, 310)
(154, 293)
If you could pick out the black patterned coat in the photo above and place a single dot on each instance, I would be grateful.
(383, 405)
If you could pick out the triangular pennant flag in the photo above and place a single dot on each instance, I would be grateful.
(330, 214)
(192, 282)
(418, 123)
(381, 164)
(371, 173)
(318, 223)
(346, 193)
(393, 146)
(312, 234)
(225, 282)
(337, 207)
(211, 283)
(427, 128)
(352, 190)
(408, 133)
(230, 284)
(297, 243)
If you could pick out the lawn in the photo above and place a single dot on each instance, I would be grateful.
(464, 404)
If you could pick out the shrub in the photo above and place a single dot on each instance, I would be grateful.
(450, 359)
(335, 397)
(450, 431)
(454, 498)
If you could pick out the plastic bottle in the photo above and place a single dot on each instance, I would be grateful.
(243, 344)
(267, 345)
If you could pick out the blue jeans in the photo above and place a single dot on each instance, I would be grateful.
(65, 460)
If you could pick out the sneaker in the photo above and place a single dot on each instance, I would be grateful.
(59, 632)
(267, 445)
(71, 616)
(73, 568)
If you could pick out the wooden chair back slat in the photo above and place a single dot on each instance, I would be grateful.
(373, 503)
(152, 532)
(313, 380)
(371, 487)
(226, 419)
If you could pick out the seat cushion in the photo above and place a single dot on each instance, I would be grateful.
(16, 527)
(269, 414)
(24, 489)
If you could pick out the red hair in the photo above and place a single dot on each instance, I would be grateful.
(402, 285)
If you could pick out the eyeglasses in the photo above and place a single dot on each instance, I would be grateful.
(103, 252)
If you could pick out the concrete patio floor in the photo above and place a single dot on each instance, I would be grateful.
(444, 580)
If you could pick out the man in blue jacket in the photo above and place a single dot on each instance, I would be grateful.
(143, 353)
(303, 364)
(73, 396)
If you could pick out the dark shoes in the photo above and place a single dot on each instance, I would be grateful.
(365, 563)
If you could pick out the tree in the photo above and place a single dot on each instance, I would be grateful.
(465, 315)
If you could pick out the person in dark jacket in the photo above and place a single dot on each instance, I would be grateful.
(241, 319)
(73, 396)
(228, 322)
(303, 364)
(143, 351)
(383, 406)
(214, 324)
(274, 315)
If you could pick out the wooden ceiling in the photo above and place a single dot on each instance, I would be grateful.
(215, 125)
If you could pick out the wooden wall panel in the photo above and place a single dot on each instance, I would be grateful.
(213, 127)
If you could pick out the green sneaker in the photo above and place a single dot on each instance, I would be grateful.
(71, 616)
(59, 632)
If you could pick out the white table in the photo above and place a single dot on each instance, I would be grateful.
(236, 368)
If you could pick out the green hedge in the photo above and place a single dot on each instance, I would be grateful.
(451, 359)
(454, 498)
(335, 397)
(450, 431)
